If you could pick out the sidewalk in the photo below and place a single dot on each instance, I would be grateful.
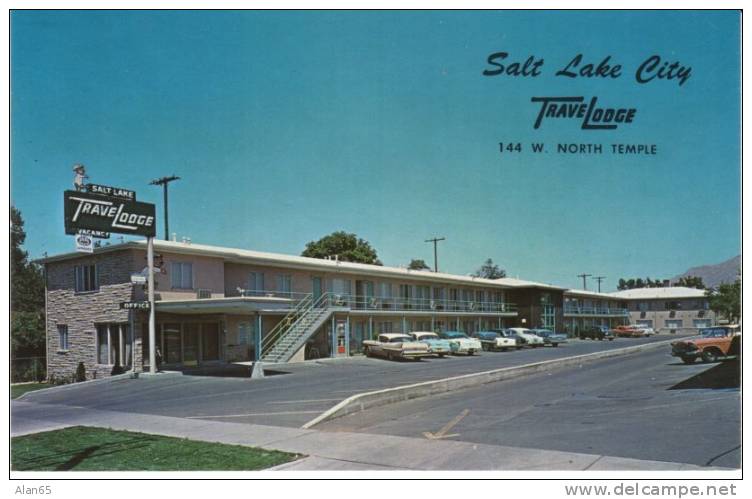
(329, 450)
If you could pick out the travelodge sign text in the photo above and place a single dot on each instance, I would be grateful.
(87, 211)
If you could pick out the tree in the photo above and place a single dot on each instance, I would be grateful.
(418, 265)
(691, 281)
(638, 283)
(26, 295)
(345, 246)
(489, 270)
(726, 300)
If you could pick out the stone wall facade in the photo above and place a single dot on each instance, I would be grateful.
(82, 311)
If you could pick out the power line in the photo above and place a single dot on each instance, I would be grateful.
(435, 253)
(599, 279)
(584, 282)
(163, 182)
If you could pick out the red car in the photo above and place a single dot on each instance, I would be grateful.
(628, 331)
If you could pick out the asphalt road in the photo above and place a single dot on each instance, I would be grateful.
(644, 406)
(306, 390)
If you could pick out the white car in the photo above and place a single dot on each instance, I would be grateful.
(494, 340)
(530, 339)
(646, 331)
(462, 343)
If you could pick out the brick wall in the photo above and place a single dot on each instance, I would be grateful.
(81, 312)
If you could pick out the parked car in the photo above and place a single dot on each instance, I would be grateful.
(506, 333)
(436, 345)
(628, 331)
(597, 333)
(647, 331)
(493, 340)
(530, 338)
(395, 346)
(549, 337)
(712, 344)
(462, 343)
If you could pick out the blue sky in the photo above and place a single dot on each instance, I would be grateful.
(286, 126)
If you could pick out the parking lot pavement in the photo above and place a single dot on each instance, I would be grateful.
(304, 391)
(644, 406)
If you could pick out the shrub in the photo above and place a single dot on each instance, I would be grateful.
(80, 372)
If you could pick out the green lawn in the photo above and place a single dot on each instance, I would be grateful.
(18, 390)
(82, 448)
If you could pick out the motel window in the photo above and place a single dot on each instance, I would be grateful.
(385, 327)
(256, 281)
(385, 289)
(182, 275)
(86, 278)
(674, 324)
(284, 283)
(62, 335)
(103, 344)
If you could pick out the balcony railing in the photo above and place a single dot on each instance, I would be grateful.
(286, 295)
(383, 303)
(595, 311)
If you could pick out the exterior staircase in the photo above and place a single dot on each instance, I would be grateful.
(292, 332)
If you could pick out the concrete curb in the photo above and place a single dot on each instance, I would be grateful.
(366, 400)
(90, 382)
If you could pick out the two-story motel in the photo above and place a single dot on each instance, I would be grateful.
(220, 305)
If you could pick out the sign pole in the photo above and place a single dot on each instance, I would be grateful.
(152, 328)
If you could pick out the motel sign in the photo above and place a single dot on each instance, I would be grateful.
(84, 210)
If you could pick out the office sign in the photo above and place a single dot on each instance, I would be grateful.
(115, 192)
(134, 305)
(84, 243)
(87, 211)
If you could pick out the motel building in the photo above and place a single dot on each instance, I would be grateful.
(216, 305)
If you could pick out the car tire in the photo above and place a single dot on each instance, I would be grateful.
(610, 339)
(389, 356)
(554, 344)
(367, 352)
(710, 355)
(470, 353)
(688, 360)
(441, 355)
(484, 347)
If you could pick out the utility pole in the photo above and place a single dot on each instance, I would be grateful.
(435, 253)
(163, 182)
(599, 279)
(584, 283)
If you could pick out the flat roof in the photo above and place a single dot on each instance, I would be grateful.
(593, 294)
(657, 293)
(236, 255)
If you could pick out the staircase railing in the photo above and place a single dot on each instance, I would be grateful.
(278, 331)
(288, 324)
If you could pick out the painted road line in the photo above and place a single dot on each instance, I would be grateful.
(309, 401)
(365, 400)
(442, 432)
(283, 413)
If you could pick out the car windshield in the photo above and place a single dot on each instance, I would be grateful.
(543, 332)
(454, 334)
(713, 332)
(400, 339)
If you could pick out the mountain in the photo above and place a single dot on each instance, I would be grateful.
(713, 275)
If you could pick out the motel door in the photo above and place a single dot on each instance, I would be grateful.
(210, 341)
(190, 344)
(318, 289)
